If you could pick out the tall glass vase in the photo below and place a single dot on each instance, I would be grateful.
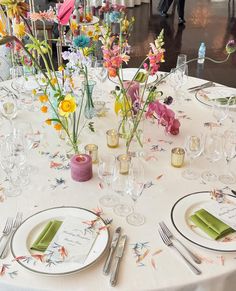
(89, 110)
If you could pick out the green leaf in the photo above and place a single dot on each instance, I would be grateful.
(55, 119)
(91, 126)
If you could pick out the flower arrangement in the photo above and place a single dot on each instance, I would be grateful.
(60, 101)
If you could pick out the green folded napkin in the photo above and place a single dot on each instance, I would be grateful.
(211, 225)
(46, 236)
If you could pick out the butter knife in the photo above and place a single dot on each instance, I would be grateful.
(204, 86)
(119, 254)
(114, 242)
(199, 86)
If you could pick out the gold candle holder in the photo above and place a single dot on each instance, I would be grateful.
(124, 163)
(92, 150)
(177, 157)
(112, 138)
(100, 108)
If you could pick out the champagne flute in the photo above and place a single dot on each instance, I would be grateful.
(229, 150)
(221, 111)
(107, 173)
(213, 152)
(193, 147)
(135, 190)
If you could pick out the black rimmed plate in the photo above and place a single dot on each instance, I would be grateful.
(188, 205)
(36, 262)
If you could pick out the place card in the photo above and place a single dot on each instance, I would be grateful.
(224, 212)
(76, 237)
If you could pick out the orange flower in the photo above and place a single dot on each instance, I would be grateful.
(44, 109)
(48, 121)
(112, 72)
(57, 126)
(43, 98)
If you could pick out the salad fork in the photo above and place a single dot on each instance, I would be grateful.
(169, 243)
(7, 228)
(16, 224)
(170, 235)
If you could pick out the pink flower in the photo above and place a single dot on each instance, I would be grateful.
(164, 115)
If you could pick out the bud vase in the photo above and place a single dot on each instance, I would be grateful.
(89, 110)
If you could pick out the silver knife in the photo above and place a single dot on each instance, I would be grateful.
(119, 254)
(114, 242)
(203, 86)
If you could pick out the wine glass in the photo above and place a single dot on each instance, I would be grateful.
(121, 186)
(135, 190)
(177, 78)
(101, 75)
(213, 152)
(8, 164)
(193, 147)
(107, 173)
(221, 110)
(8, 107)
(181, 61)
(229, 151)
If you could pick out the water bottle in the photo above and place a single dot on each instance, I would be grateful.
(201, 53)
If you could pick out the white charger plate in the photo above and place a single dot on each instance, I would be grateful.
(30, 229)
(207, 95)
(188, 205)
(128, 74)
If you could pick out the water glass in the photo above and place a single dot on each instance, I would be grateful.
(8, 107)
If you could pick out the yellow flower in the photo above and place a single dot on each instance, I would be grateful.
(86, 51)
(48, 121)
(95, 37)
(73, 26)
(19, 29)
(67, 106)
(83, 28)
(53, 81)
(34, 92)
(44, 109)
(15, 8)
(57, 126)
(61, 68)
(90, 33)
(122, 107)
(2, 27)
(43, 98)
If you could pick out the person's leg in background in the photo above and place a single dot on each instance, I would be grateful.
(180, 8)
(163, 7)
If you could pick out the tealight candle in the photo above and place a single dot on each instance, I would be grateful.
(177, 157)
(81, 167)
(112, 138)
(124, 163)
(92, 150)
(100, 108)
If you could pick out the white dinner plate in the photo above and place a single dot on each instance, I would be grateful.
(207, 95)
(30, 229)
(188, 205)
(129, 73)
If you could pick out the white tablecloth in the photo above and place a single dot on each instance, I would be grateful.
(162, 271)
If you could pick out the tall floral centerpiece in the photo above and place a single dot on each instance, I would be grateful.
(61, 102)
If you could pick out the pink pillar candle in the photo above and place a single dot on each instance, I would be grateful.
(133, 91)
(81, 167)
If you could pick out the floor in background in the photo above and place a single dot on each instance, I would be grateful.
(212, 22)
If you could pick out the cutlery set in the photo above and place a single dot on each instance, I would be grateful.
(167, 237)
(7, 234)
(117, 247)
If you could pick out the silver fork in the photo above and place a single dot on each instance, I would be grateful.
(16, 224)
(170, 235)
(7, 228)
(169, 243)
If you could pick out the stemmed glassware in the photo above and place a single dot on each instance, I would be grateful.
(9, 165)
(213, 152)
(229, 151)
(135, 190)
(193, 147)
(8, 107)
(107, 173)
(178, 78)
(221, 111)
(101, 75)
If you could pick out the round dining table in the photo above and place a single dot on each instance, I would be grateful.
(147, 263)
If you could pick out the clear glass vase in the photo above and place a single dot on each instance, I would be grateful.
(89, 110)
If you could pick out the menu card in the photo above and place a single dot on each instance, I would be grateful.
(223, 211)
(76, 239)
